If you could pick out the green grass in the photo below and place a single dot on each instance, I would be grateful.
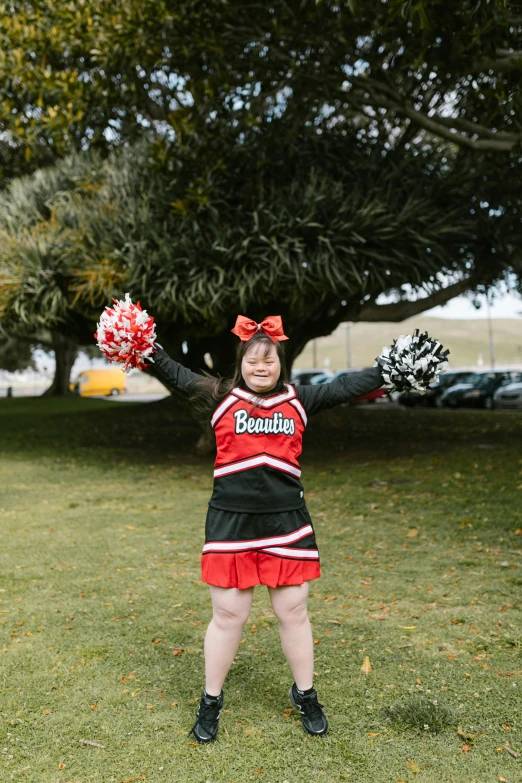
(102, 508)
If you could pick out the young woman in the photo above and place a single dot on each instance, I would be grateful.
(258, 530)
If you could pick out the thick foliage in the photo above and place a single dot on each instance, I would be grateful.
(97, 74)
(294, 232)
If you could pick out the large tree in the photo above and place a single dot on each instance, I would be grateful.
(278, 228)
(93, 75)
(301, 157)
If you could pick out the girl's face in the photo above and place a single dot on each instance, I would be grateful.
(261, 370)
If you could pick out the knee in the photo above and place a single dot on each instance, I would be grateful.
(293, 615)
(227, 619)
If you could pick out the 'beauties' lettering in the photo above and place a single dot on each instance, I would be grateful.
(258, 425)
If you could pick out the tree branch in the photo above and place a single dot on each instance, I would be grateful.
(474, 127)
(399, 311)
(384, 96)
(433, 126)
(510, 61)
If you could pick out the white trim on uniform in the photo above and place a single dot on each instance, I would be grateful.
(259, 543)
(221, 409)
(297, 405)
(254, 462)
(310, 554)
(267, 402)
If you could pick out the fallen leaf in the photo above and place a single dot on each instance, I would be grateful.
(178, 651)
(412, 533)
(413, 766)
(90, 742)
(465, 735)
(408, 627)
(366, 667)
(156, 641)
(466, 748)
(506, 727)
(94, 706)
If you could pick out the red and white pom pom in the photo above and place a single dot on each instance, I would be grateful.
(126, 334)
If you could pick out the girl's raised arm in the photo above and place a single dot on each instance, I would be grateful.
(171, 373)
(411, 363)
(341, 390)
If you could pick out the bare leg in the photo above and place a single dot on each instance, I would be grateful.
(231, 609)
(295, 631)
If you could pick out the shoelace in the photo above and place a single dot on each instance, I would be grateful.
(206, 716)
(311, 706)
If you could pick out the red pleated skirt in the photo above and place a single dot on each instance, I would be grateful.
(254, 567)
(249, 569)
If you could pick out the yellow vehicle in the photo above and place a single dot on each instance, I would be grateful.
(100, 382)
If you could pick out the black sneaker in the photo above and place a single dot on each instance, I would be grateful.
(312, 717)
(205, 728)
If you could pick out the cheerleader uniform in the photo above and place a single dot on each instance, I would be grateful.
(258, 529)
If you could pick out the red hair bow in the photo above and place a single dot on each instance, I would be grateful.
(272, 326)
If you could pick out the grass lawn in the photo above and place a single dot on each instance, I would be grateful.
(418, 516)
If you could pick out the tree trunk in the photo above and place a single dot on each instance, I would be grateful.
(65, 353)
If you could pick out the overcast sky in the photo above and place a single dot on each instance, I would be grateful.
(502, 305)
(509, 306)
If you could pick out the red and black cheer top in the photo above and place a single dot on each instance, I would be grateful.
(258, 442)
(256, 471)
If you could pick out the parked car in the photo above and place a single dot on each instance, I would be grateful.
(370, 397)
(107, 382)
(434, 390)
(300, 377)
(323, 377)
(478, 391)
(508, 397)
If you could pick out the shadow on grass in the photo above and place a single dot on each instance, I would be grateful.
(164, 432)
(420, 713)
(98, 430)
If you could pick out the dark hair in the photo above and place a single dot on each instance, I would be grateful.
(208, 392)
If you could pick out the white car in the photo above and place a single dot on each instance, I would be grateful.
(508, 397)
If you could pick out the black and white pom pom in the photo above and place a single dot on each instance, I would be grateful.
(412, 362)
